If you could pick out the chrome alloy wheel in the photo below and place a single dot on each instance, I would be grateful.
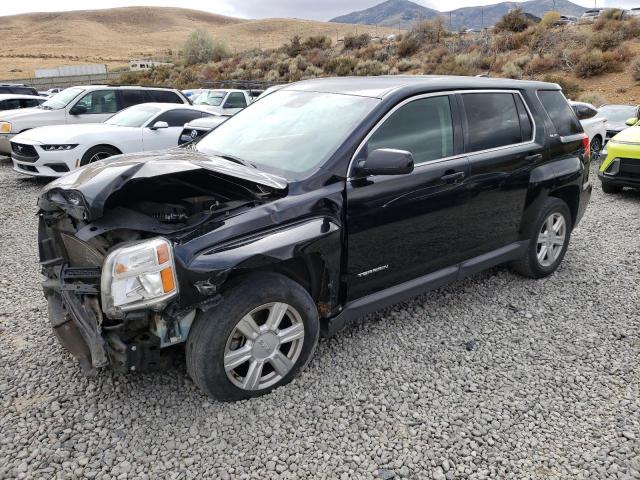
(551, 239)
(264, 346)
(96, 157)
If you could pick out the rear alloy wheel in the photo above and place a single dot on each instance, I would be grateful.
(595, 149)
(549, 238)
(258, 338)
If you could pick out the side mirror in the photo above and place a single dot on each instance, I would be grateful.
(78, 110)
(386, 161)
(159, 125)
(631, 121)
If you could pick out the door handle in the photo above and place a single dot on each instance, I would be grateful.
(452, 177)
(533, 158)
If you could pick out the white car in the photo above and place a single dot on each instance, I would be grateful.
(12, 101)
(56, 150)
(88, 104)
(593, 124)
(223, 101)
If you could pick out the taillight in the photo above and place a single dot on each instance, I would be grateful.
(586, 146)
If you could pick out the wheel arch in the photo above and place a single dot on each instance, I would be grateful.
(107, 145)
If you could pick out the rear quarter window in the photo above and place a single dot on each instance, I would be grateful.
(164, 96)
(560, 112)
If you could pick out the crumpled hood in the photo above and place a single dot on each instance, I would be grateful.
(99, 180)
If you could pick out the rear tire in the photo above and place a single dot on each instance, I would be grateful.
(608, 187)
(260, 337)
(95, 154)
(549, 238)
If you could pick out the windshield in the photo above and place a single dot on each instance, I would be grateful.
(135, 116)
(210, 98)
(617, 113)
(62, 99)
(289, 132)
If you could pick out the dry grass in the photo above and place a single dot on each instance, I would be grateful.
(117, 35)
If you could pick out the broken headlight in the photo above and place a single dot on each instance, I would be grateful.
(138, 276)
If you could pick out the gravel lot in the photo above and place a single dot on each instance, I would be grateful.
(495, 377)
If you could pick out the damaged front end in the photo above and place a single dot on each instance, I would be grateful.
(118, 293)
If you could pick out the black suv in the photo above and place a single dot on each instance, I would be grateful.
(322, 202)
(17, 89)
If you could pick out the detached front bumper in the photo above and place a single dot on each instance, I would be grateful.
(74, 314)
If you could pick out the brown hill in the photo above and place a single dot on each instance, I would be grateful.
(115, 36)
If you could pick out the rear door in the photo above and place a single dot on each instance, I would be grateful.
(501, 148)
(405, 226)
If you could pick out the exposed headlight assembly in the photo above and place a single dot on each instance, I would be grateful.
(5, 127)
(58, 148)
(138, 276)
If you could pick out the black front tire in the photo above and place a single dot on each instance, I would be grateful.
(530, 265)
(608, 187)
(209, 339)
(97, 153)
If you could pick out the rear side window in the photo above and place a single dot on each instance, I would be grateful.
(560, 112)
(164, 96)
(492, 121)
(177, 118)
(583, 112)
(236, 100)
(133, 97)
(423, 127)
(10, 104)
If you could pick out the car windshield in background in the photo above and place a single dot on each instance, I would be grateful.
(134, 116)
(62, 99)
(210, 98)
(617, 113)
(289, 132)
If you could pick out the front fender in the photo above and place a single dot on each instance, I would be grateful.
(207, 271)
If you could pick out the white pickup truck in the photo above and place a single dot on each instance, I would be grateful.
(223, 101)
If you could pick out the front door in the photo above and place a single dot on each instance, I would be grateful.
(99, 106)
(402, 227)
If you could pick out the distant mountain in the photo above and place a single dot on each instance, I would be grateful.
(391, 13)
(404, 13)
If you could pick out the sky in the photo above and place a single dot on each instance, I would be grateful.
(308, 9)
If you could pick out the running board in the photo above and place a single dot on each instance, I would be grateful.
(407, 290)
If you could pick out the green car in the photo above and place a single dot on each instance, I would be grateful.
(621, 165)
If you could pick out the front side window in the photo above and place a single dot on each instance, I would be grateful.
(423, 127)
(492, 121)
(236, 100)
(289, 132)
(30, 102)
(10, 104)
(100, 101)
(561, 114)
(212, 98)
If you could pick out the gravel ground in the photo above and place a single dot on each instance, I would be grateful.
(494, 377)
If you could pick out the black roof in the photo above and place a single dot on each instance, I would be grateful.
(379, 87)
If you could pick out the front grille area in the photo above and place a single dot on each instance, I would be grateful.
(23, 152)
(27, 168)
(630, 167)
